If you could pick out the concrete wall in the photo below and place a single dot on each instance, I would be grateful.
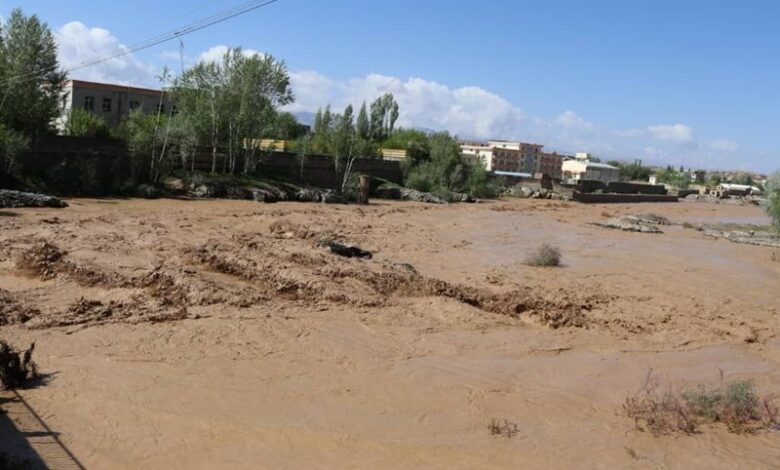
(318, 170)
(71, 163)
(635, 188)
(599, 198)
(77, 166)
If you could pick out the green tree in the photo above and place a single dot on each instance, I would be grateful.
(318, 121)
(287, 127)
(384, 113)
(12, 144)
(773, 198)
(82, 123)
(446, 171)
(363, 127)
(138, 131)
(31, 82)
(342, 142)
(233, 102)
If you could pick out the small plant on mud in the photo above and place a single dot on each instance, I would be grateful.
(666, 410)
(545, 255)
(16, 367)
(502, 427)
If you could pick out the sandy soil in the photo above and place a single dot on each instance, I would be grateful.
(216, 334)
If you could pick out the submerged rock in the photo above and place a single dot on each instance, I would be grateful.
(319, 195)
(751, 237)
(12, 199)
(529, 193)
(207, 190)
(631, 223)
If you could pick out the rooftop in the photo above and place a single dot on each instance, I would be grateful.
(112, 87)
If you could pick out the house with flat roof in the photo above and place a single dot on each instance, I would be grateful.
(576, 170)
(111, 102)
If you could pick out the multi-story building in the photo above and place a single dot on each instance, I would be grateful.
(521, 157)
(480, 153)
(550, 164)
(113, 103)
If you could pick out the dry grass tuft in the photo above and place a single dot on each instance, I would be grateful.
(545, 255)
(664, 410)
(502, 427)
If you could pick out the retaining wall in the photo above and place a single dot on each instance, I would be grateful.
(78, 165)
(599, 198)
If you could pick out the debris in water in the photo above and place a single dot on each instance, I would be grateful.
(350, 251)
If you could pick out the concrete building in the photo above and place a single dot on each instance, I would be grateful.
(111, 102)
(576, 170)
(479, 153)
(583, 156)
(519, 157)
(550, 164)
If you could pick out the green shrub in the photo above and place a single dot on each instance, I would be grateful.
(443, 170)
(82, 123)
(773, 198)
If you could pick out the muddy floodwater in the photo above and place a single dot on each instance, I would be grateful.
(217, 334)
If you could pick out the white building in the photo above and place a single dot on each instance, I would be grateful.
(576, 170)
(583, 156)
(481, 153)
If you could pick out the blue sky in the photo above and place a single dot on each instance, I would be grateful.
(686, 82)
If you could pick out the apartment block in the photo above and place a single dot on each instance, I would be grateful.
(550, 164)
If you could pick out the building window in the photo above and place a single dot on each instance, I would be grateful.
(161, 108)
(106, 105)
(134, 105)
(89, 103)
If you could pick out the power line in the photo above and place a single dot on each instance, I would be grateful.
(176, 33)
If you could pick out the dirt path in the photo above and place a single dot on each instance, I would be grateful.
(202, 334)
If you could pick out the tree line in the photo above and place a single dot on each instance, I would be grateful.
(226, 106)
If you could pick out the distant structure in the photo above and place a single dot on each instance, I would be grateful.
(519, 157)
(583, 156)
(579, 169)
(550, 164)
(480, 153)
(512, 157)
(113, 103)
(393, 154)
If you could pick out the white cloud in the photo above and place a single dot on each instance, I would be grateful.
(723, 145)
(216, 53)
(468, 111)
(79, 43)
(674, 133)
(628, 133)
(570, 120)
